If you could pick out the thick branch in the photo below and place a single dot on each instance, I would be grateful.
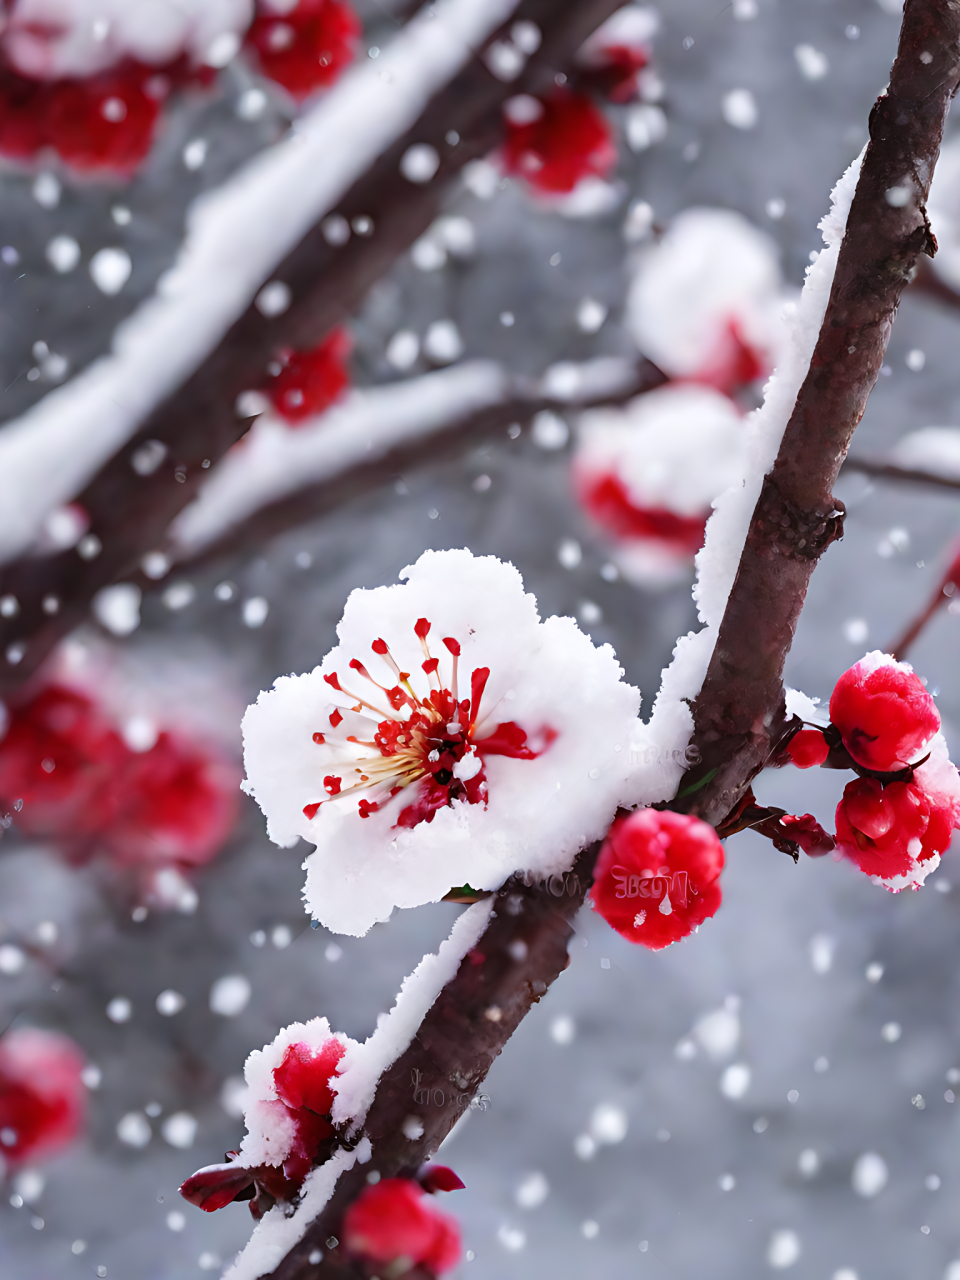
(523, 950)
(739, 713)
(198, 423)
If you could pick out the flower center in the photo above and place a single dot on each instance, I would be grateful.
(430, 741)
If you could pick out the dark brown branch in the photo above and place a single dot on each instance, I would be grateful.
(456, 1045)
(739, 715)
(130, 514)
(449, 441)
(880, 470)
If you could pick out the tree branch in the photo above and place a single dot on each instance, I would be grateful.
(129, 513)
(882, 470)
(739, 714)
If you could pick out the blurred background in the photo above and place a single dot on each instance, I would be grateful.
(775, 1093)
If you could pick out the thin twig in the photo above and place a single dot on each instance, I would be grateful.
(945, 590)
(881, 470)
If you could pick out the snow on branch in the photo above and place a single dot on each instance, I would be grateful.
(277, 257)
(752, 600)
(281, 477)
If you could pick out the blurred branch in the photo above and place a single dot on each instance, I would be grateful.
(450, 440)
(882, 470)
(739, 715)
(945, 590)
(198, 423)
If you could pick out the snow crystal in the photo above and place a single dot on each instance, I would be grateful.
(538, 813)
(783, 1249)
(870, 1175)
(230, 995)
(739, 108)
(110, 270)
(735, 1080)
(235, 237)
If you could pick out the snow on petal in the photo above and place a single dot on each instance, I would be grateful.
(706, 302)
(359, 761)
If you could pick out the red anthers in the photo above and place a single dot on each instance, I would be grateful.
(81, 784)
(886, 830)
(884, 714)
(308, 382)
(568, 140)
(42, 1096)
(606, 499)
(395, 1225)
(434, 745)
(657, 876)
(808, 833)
(302, 1082)
(808, 748)
(305, 45)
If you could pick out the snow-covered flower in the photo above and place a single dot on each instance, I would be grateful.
(42, 1095)
(883, 712)
(706, 303)
(451, 738)
(648, 473)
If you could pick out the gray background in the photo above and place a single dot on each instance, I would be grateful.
(630, 1012)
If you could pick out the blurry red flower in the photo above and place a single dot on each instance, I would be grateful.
(395, 1223)
(606, 499)
(178, 804)
(305, 45)
(311, 381)
(63, 758)
(568, 140)
(657, 876)
(884, 714)
(42, 1097)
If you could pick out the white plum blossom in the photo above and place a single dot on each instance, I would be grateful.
(648, 474)
(707, 301)
(451, 738)
(52, 39)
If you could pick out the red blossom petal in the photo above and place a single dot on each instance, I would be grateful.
(216, 1185)
(395, 1220)
(306, 48)
(438, 1177)
(607, 501)
(303, 1077)
(42, 1096)
(569, 141)
(507, 739)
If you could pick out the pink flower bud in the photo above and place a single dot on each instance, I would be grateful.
(42, 1097)
(395, 1223)
(808, 748)
(570, 140)
(657, 876)
(438, 1177)
(884, 714)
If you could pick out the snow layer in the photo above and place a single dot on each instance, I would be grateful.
(711, 274)
(270, 1127)
(943, 210)
(933, 449)
(49, 39)
(363, 1064)
(539, 813)
(275, 1234)
(940, 781)
(235, 237)
(274, 460)
(671, 724)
